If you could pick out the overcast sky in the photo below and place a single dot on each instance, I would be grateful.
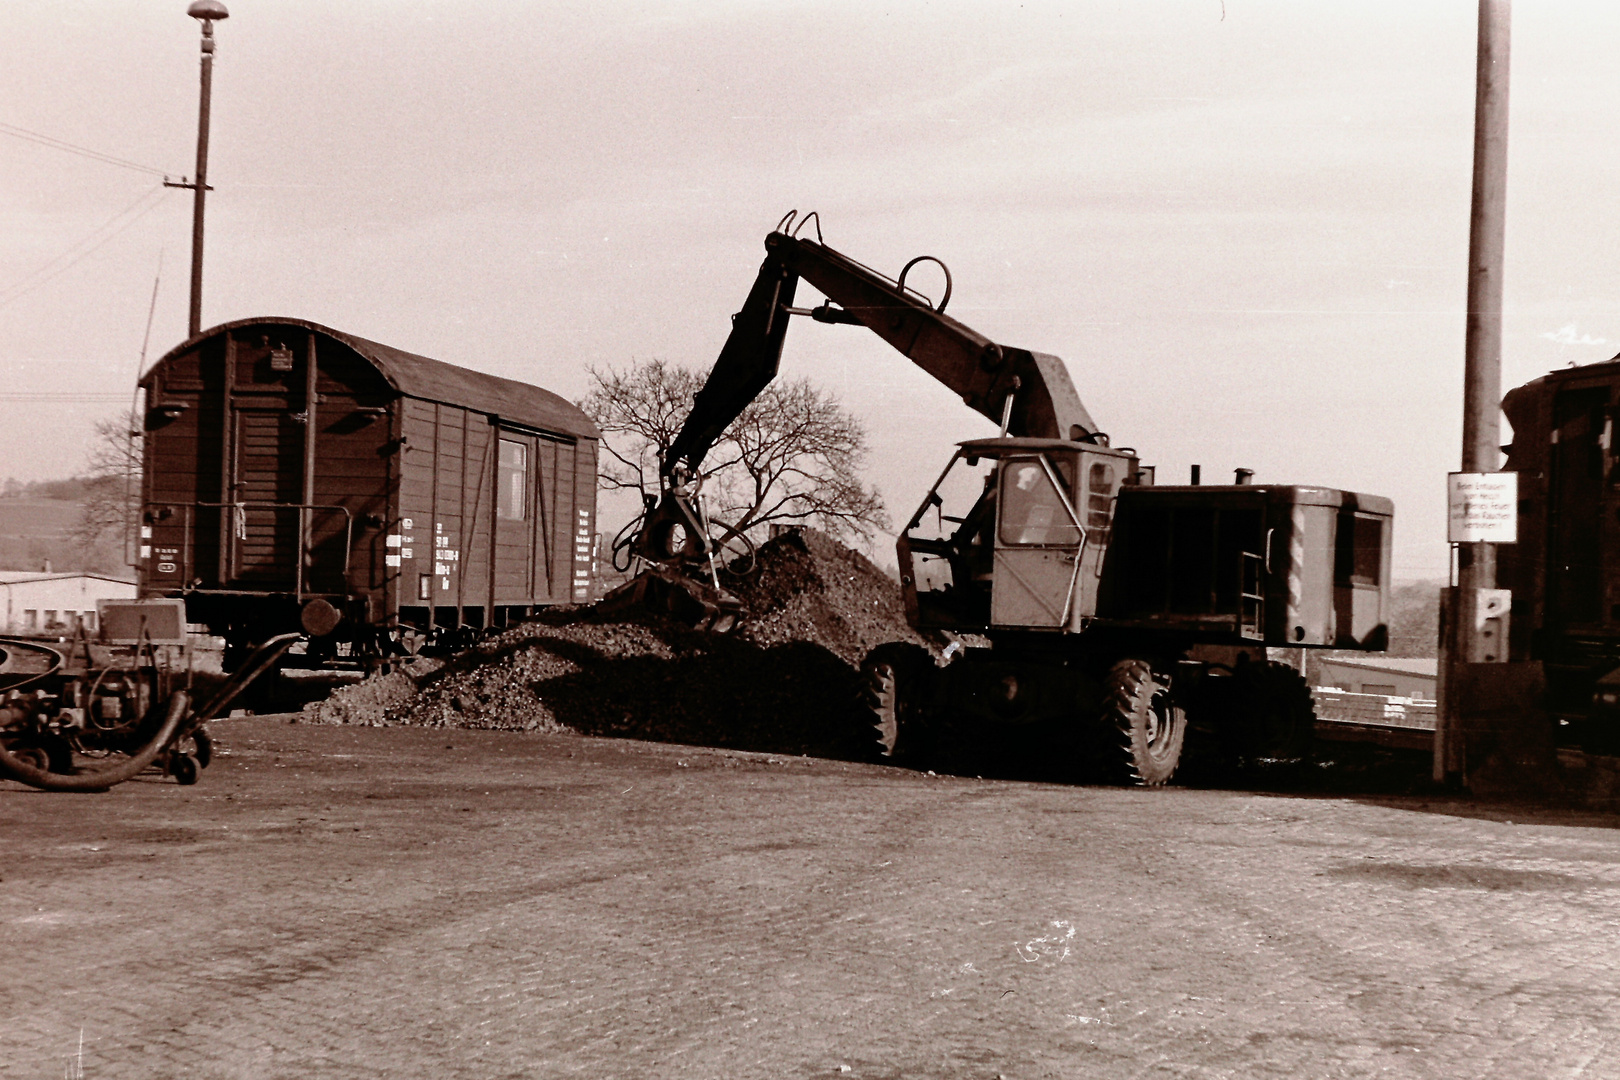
(1244, 226)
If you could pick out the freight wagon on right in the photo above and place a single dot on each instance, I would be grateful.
(1565, 569)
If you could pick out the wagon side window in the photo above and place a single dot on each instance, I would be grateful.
(512, 498)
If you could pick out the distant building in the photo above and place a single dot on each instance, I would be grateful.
(1416, 679)
(46, 603)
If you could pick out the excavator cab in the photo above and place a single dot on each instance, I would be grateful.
(1028, 553)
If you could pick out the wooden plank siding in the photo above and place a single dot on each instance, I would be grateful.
(516, 583)
(353, 469)
(410, 481)
(183, 467)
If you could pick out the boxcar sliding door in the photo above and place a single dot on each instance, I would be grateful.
(535, 508)
(263, 539)
(515, 518)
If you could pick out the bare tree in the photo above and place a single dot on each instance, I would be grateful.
(112, 485)
(793, 456)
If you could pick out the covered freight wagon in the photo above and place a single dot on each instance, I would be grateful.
(299, 476)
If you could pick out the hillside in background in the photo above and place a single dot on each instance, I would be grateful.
(37, 526)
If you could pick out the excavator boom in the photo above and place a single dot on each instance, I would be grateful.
(1029, 394)
(1044, 401)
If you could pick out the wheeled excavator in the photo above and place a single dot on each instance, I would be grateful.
(1094, 616)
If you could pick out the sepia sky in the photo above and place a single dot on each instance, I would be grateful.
(1243, 225)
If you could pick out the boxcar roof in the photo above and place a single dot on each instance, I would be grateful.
(434, 380)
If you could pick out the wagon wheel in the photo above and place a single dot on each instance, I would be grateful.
(31, 754)
(1149, 727)
(43, 750)
(183, 767)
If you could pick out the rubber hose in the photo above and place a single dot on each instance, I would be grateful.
(100, 779)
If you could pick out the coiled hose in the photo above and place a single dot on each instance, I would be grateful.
(100, 779)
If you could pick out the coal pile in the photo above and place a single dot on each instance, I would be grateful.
(808, 587)
(786, 682)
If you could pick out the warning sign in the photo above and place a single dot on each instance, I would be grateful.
(1484, 508)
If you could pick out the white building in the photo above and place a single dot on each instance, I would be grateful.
(1389, 676)
(44, 603)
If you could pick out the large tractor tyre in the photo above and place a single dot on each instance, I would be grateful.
(894, 684)
(1273, 716)
(1148, 726)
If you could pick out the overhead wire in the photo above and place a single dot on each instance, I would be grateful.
(83, 151)
(86, 246)
(95, 239)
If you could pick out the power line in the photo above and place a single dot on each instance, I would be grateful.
(73, 255)
(59, 144)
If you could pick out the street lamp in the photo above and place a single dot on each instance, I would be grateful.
(207, 12)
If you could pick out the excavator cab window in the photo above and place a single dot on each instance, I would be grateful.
(951, 544)
(1100, 495)
(1034, 512)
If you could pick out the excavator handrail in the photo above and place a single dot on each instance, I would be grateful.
(901, 280)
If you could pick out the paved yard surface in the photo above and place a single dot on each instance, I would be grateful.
(334, 902)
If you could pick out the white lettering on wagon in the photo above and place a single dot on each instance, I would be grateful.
(445, 555)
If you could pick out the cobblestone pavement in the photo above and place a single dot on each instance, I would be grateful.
(338, 903)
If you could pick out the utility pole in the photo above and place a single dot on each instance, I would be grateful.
(206, 12)
(1482, 382)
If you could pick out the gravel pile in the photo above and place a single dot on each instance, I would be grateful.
(786, 682)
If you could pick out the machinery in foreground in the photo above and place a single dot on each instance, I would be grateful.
(1105, 616)
(84, 714)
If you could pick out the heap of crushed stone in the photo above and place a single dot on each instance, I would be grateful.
(785, 682)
